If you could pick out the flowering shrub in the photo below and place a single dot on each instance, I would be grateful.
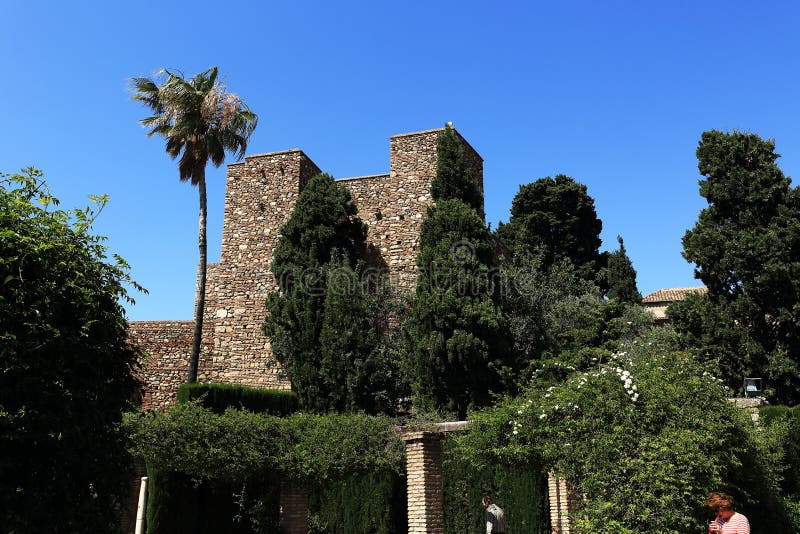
(644, 434)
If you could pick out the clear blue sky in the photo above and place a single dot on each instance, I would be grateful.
(614, 94)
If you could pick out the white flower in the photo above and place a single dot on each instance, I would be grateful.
(544, 415)
(515, 432)
(633, 387)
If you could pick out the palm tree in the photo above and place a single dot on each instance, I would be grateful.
(201, 121)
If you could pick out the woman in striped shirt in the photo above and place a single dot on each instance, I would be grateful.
(727, 521)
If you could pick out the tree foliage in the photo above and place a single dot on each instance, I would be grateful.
(324, 222)
(453, 179)
(746, 249)
(644, 433)
(620, 276)
(300, 447)
(66, 367)
(558, 319)
(201, 121)
(328, 324)
(556, 216)
(461, 339)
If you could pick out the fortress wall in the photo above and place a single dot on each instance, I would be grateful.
(167, 345)
(260, 195)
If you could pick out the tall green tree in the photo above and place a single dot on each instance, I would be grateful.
(454, 179)
(66, 366)
(556, 217)
(327, 323)
(620, 276)
(461, 339)
(746, 250)
(201, 121)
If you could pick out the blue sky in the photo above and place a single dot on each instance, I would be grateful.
(615, 94)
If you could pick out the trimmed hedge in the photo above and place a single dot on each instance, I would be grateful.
(219, 397)
(177, 505)
(369, 503)
(520, 490)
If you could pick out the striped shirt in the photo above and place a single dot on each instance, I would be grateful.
(737, 524)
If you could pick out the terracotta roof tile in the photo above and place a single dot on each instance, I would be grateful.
(671, 294)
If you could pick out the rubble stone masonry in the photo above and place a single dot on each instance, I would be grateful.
(260, 195)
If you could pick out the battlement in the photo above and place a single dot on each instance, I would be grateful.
(260, 195)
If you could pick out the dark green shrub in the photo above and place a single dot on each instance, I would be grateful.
(768, 414)
(520, 490)
(66, 366)
(218, 397)
(372, 503)
(177, 505)
(790, 443)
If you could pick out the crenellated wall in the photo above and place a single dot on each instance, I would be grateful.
(260, 195)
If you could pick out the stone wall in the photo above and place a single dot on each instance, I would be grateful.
(167, 345)
(260, 195)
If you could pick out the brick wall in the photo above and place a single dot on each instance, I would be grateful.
(563, 503)
(294, 508)
(424, 482)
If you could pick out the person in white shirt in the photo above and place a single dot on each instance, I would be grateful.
(495, 518)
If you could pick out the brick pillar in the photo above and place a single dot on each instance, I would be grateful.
(128, 519)
(563, 503)
(424, 473)
(294, 508)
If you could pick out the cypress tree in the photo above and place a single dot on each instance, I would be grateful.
(621, 276)
(319, 323)
(460, 335)
(454, 180)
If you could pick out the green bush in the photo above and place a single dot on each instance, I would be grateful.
(788, 419)
(644, 437)
(66, 366)
(768, 414)
(519, 489)
(371, 503)
(224, 468)
(177, 505)
(219, 397)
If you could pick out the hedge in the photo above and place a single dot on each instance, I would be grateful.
(790, 443)
(177, 505)
(519, 489)
(219, 397)
(370, 503)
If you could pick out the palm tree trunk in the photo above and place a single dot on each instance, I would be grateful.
(200, 293)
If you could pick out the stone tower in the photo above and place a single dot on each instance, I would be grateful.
(260, 195)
